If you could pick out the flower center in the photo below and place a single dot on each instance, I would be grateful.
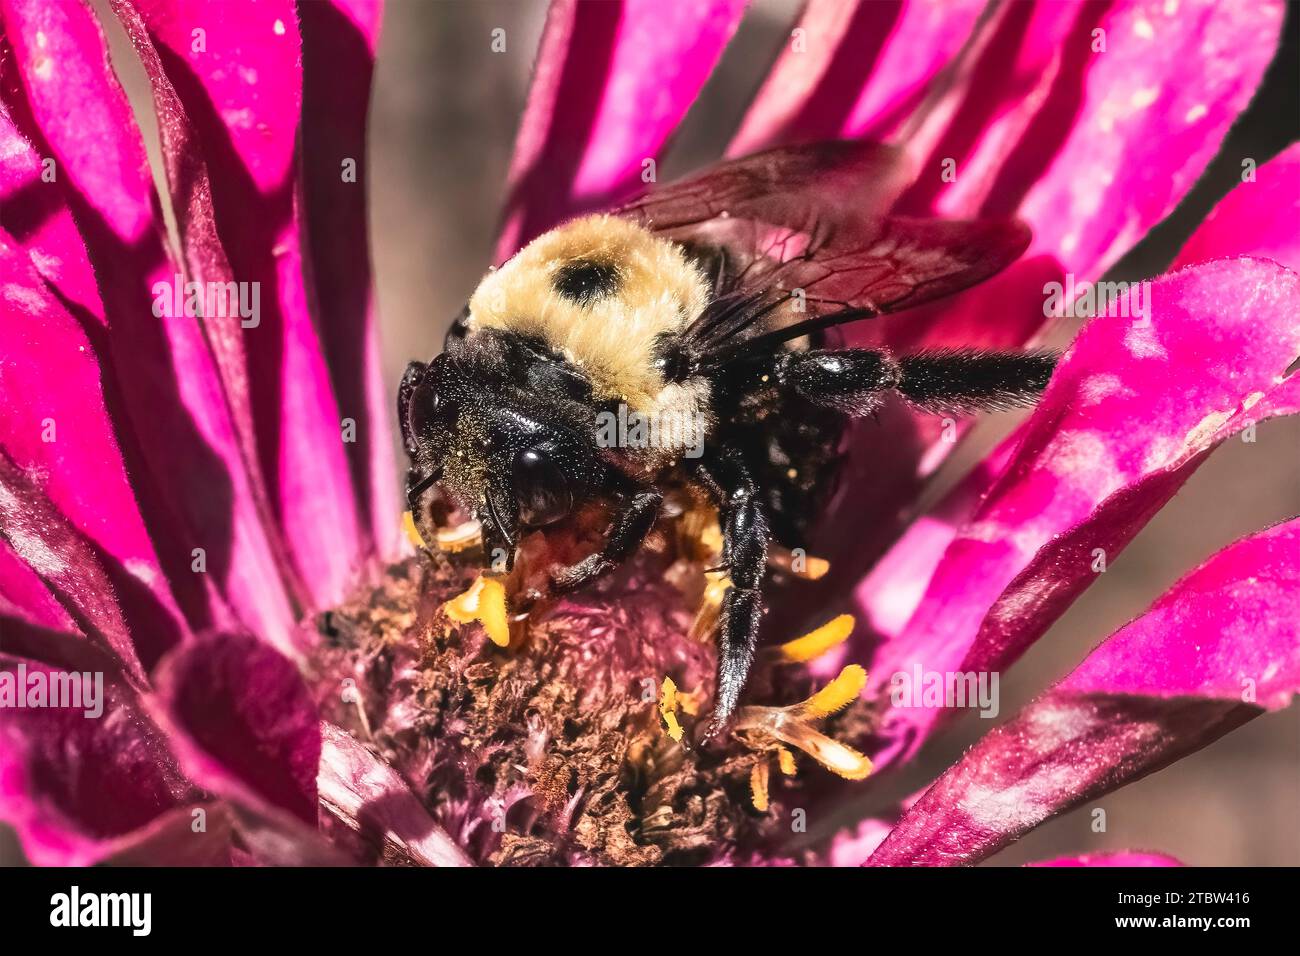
(570, 737)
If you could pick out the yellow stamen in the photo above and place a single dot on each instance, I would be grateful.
(485, 601)
(777, 723)
(836, 695)
(786, 761)
(668, 708)
(816, 643)
(758, 778)
(761, 727)
(690, 703)
(706, 619)
(807, 567)
(668, 695)
(835, 756)
(673, 727)
(699, 535)
(412, 532)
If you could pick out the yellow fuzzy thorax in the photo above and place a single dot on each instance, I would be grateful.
(612, 338)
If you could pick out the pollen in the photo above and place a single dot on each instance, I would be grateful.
(806, 567)
(485, 602)
(816, 643)
(411, 531)
(668, 700)
(836, 695)
(758, 779)
(706, 618)
(786, 761)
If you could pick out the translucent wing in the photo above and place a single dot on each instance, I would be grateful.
(800, 239)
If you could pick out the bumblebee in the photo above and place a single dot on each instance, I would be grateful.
(709, 305)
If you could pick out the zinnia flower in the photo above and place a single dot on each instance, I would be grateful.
(200, 503)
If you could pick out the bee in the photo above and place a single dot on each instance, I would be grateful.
(711, 302)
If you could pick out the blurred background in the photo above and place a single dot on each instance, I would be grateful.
(442, 126)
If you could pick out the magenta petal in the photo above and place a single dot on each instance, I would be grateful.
(42, 538)
(1042, 127)
(55, 429)
(24, 596)
(368, 796)
(1227, 632)
(855, 69)
(161, 386)
(71, 785)
(611, 82)
(243, 723)
(241, 91)
(59, 51)
(1258, 218)
(1095, 148)
(1155, 110)
(1216, 650)
(854, 847)
(1131, 412)
(339, 41)
(1092, 147)
(44, 228)
(1116, 858)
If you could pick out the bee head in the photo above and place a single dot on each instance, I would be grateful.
(517, 458)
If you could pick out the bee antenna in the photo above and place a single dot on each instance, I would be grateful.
(496, 519)
(420, 487)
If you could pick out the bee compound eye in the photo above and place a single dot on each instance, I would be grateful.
(423, 410)
(541, 487)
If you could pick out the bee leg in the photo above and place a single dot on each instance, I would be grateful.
(625, 538)
(964, 380)
(940, 380)
(745, 541)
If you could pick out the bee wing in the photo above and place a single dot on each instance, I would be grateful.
(801, 240)
(797, 281)
(781, 187)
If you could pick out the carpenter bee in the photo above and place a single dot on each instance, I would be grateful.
(706, 304)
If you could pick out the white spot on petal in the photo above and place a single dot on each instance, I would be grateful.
(1097, 388)
(25, 298)
(141, 570)
(1141, 99)
(1141, 342)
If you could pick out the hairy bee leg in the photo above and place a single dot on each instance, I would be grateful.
(628, 534)
(416, 486)
(944, 380)
(941, 380)
(745, 541)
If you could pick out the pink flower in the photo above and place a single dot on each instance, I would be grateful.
(201, 509)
